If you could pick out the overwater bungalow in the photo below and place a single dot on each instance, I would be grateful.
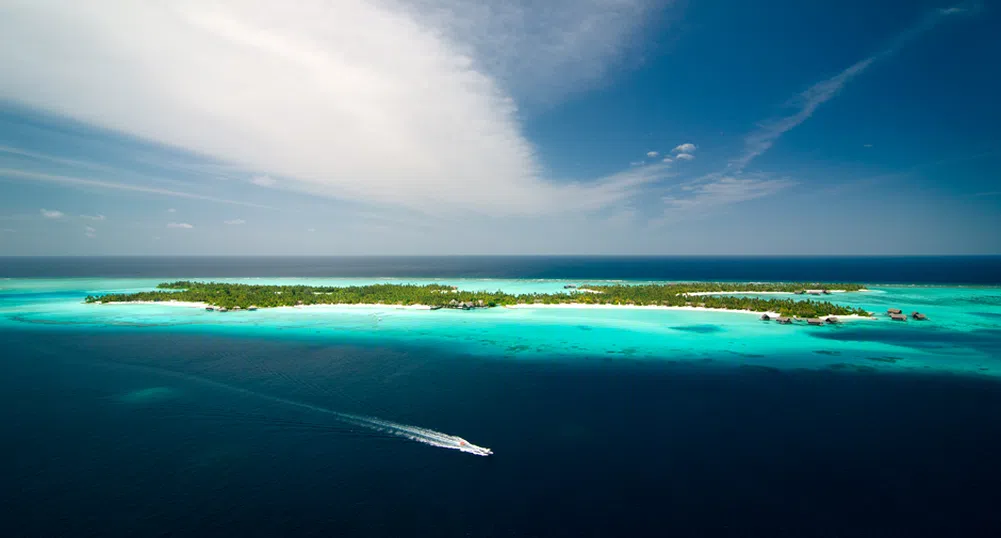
(801, 292)
(570, 287)
(252, 308)
(209, 309)
(832, 320)
(765, 317)
(898, 317)
(223, 309)
(235, 308)
(815, 321)
(892, 311)
(437, 307)
(919, 316)
(826, 292)
(784, 320)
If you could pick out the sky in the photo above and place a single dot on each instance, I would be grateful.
(435, 127)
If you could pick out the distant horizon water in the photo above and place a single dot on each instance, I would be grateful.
(982, 270)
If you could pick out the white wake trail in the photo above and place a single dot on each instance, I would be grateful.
(405, 431)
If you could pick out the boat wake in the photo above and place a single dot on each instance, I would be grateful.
(405, 431)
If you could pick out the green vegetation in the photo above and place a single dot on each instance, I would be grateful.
(437, 295)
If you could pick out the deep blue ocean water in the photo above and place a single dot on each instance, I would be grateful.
(135, 431)
(883, 270)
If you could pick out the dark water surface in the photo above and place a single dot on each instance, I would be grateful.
(103, 437)
(885, 270)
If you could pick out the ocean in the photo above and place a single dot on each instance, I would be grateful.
(158, 420)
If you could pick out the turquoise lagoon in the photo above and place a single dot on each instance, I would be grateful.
(962, 335)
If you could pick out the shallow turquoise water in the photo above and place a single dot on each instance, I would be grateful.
(963, 334)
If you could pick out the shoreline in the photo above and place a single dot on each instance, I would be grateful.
(660, 307)
(189, 304)
(808, 292)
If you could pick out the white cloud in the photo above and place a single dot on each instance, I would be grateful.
(866, 145)
(85, 182)
(51, 213)
(685, 148)
(235, 221)
(684, 157)
(172, 210)
(310, 230)
(652, 154)
(668, 160)
(637, 163)
(93, 217)
(363, 100)
(808, 101)
(573, 44)
(7, 230)
(263, 181)
(89, 231)
(182, 225)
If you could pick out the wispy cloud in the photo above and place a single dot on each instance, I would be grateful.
(668, 160)
(685, 157)
(84, 182)
(172, 210)
(180, 225)
(51, 213)
(807, 102)
(90, 232)
(685, 148)
(263, 181)
(7, 230)
(234, 222)
(652, 154)
(93, 217)
(335, 91)
(989, 193)
(723, 191)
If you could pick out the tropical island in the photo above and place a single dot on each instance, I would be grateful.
(230, 296)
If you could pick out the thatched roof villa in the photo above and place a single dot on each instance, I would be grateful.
(898, 317)
(784, 320)
(815, 321)
(919, 316)
(894, 311)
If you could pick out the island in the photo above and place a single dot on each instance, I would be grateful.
(701, 295)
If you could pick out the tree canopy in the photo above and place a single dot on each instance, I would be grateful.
(231, 295)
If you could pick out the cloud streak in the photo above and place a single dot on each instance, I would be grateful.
(807, 102)
(180, 225)
(363, 101)
(724, 191)
(51, 214)
(94, 183)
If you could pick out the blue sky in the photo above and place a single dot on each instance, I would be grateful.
(475, 127)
